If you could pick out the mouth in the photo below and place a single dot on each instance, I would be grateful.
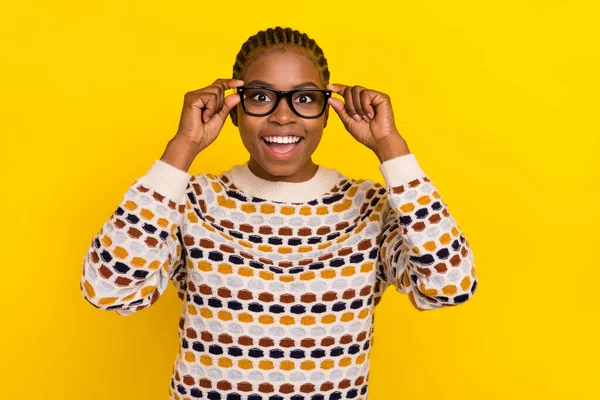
(281, 148)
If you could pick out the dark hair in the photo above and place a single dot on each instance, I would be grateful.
(279, 37)
(282, 38)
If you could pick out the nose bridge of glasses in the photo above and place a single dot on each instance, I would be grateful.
(285, 98)
(290, 109)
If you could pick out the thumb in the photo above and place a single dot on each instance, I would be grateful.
(339, 108)
(228, 103)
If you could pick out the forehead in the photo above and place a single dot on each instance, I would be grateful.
(283, 69)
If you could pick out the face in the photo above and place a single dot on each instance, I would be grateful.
(282, 70)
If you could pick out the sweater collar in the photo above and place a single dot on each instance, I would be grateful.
(297, 192)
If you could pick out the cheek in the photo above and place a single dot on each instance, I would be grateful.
(315, 129)
(249, 129)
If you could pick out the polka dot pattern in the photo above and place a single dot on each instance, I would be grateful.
(278, 297)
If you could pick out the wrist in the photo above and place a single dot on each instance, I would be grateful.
(180, 153)
(391, 146)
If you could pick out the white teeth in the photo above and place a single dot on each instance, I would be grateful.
(279, 139)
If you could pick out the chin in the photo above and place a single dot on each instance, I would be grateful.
(281, 168)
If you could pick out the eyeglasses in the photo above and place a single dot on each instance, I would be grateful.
(259, 101)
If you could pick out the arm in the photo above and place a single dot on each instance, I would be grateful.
(423, 253)
(131, 259)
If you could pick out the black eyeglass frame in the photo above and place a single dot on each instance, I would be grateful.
(288, 95)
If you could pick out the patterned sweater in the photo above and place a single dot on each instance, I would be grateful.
(279, 281)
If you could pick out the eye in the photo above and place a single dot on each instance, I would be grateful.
(259, 96)
(304, 98)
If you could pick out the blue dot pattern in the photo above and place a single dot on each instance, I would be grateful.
(278, 297)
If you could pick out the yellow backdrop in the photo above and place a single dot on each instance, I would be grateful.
(498, 100)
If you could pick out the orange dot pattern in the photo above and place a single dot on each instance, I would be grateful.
(278, 298)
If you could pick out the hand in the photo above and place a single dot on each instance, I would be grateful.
(204, 113)
(367, 115)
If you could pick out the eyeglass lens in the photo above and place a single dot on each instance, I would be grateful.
(307, 103)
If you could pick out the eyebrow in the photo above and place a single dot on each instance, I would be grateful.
(267, 84)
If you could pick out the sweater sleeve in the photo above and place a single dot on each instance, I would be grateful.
(134, 254)
(423, 252)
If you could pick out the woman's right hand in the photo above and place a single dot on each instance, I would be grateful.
(204, 113)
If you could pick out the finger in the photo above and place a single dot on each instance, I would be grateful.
(232, 84)
(228, 103)
(217, 90)
(224, 85)
(340, 110)
(220, 94)
(350, 106)
(227, 84)
(356, 90)
(365, 101)
(337, 88)
(211, 105)
(344, 90)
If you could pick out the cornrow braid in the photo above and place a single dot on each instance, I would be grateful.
(281, 38)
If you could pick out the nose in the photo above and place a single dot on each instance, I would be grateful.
(282, 114)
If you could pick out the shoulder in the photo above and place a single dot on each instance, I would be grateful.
(367, 187)
(209, 181)
(363, 192)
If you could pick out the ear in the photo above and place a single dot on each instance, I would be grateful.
(233, 114)
(326, 116)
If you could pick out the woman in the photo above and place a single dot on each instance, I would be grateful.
(279, 262)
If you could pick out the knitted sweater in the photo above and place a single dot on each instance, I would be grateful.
(279, 281)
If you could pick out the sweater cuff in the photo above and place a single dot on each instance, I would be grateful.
(400, 170)
(167, 180)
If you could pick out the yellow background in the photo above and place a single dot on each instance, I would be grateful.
(498, 100)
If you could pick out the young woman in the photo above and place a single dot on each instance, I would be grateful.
(279, 262)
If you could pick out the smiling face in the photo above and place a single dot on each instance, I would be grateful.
(281, 144)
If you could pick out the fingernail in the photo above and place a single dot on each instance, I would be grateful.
(370, 115)
(356, 117)
(366, 118)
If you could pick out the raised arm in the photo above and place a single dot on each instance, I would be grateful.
(423, 252)
(139, 248)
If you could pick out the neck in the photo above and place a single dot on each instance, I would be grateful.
(310, 188)
(306, 172)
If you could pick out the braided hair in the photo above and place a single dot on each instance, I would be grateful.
(280, 38)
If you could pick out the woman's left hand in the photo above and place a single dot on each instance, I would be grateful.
(367, 114)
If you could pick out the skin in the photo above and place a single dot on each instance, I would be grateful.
(282, 70)
(365, 113)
